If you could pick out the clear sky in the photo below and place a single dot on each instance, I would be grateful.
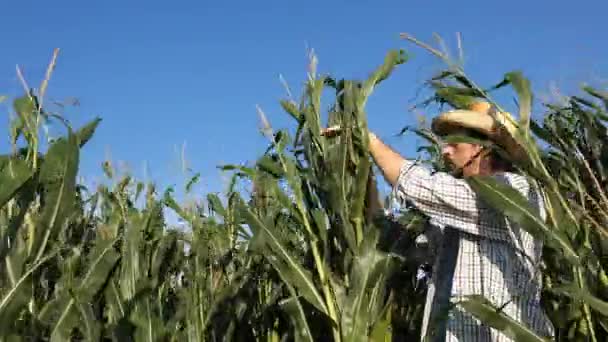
(164, 75)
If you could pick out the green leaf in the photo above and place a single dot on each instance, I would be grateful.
(148, 323)
(563, 221)
(583, 295)
(482, 309)
(90, 326)
(216, 204)
(599, 94)
(357, 200)
(365, 300)
(381, 331)
(58, 178)
(86, 132)
(295, 311)
(193, 181)
(392, 59)
(542, 132)
(515, 206)
(289, 268)
(14, 173)
(522, 87)
(102, 260)
(291, 108)
(163, 257)
(14, 263)
(25, 108)
(245, 171)
(457, 97)
(270, 165)
(62, 311)
(16, 289)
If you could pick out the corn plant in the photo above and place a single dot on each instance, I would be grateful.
(321, 223)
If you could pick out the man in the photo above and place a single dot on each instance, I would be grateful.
(478, 250)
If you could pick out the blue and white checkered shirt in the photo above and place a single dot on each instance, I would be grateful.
(477, 251)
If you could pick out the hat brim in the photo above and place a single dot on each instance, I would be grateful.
(499, 129)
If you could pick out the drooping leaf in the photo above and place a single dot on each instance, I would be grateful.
(599, 94)
(163, 257)
(18, 286)
(381, 331)
(482, 309)
(583, 295)
(457, 97)
(270, 165)
(392, 59)
(14, 173)
(58, 177)
(193, 181)
(85, 133)
(516, 207)
(216, 205)
(293, 271)
(25, 108)
(63, 311)
(293, 307)
(364, 302)
(524, 93)
(90, 326)
(291, 108)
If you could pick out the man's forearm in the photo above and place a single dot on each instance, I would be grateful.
(388, 161)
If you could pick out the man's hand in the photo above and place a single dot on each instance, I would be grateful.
(332, 131)
(336, 130)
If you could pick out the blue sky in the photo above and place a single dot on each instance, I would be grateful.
(166, 75)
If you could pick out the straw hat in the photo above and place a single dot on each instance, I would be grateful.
(499, 128)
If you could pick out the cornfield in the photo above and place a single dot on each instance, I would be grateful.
(311, 253)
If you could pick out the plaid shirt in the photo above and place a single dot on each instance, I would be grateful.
(477, 251)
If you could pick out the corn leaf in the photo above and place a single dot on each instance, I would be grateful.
(19, 286)
(291, 108)
(522, 87)
(90, 326)
(286, 264)
(516, 207)
(363, 304)
(294, 308)
(26, 110)
(14, 173)
(584, 296)
(599, 94)
(216, 205)
(58, 177)
(63, 311)
(482, 309)
(381, 331)
(85, 133)
(392, 59)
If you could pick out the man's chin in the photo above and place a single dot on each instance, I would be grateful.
(450, 166)
(454, 170)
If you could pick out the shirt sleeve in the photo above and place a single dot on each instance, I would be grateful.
(447, 201)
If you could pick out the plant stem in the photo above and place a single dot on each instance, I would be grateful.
(586, 310)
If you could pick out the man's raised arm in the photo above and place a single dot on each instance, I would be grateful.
(388, 161)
